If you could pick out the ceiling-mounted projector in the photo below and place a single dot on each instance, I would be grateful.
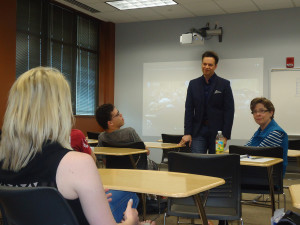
(191, 39)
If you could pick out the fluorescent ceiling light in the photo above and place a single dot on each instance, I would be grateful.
(136, 4)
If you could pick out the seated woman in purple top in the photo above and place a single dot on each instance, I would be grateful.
(269, 133)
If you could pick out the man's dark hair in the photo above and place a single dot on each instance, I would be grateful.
(103, 115)
(211, 54)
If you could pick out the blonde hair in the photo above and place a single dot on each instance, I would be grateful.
(39, 110)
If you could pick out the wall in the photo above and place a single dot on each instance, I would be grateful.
(7, 51)
(272, 35)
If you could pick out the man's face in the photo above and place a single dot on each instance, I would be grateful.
(208, 66)
(117, 118)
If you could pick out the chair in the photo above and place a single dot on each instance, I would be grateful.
(223, 202)
(123, 162)
(92, 135)
(35, 205)
(293, 166)
(255, 179)
(172, 138)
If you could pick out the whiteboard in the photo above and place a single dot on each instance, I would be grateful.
(165, 86)
(285, 96)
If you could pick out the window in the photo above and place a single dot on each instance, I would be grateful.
(49, 35)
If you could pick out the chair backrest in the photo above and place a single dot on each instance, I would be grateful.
(255, 179)
(35, 205)
(123, 162)
(92, 135)
(294, 144)
(174, 138)
(223, 166)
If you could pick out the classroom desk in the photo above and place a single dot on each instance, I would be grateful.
(92, 141)
(162, 145)
(166, 147)
(162, 183)
(295, 154)
(119, 152)
(295, 195)
(269, 165)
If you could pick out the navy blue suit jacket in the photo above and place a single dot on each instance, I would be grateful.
(220, 107)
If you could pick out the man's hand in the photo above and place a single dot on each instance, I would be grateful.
(186, 138)
(225, 142)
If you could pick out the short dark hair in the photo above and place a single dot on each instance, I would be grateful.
(211, 54)
(266, 102)
(103, 114)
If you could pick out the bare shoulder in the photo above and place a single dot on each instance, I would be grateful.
(75, 169)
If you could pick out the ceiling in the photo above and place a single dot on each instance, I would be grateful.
(184, 9)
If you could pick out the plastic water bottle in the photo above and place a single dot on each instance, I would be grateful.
(219, 143)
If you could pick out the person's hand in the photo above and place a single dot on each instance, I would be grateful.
(225, 142)
(108, 196)
(148, 151)
(186, 138)
(131, 214)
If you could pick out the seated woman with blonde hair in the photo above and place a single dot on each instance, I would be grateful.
(35, 148)
(269, 133)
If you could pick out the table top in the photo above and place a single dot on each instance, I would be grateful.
(272, 162)
(162, 145)
(92, 141)
(163, 183)
(293, 153)
(295, 195)
(117, 151)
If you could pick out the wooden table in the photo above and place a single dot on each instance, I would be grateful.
(162, 183)
(269, 165)
(295, 154)
(162, 145)
(114, 151)
(92, 141)
(295, 195)
(166, 147)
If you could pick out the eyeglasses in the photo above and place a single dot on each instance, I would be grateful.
(118, 114)
(261, 111)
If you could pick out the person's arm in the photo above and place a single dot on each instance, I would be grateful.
(275, 138)
(78, 177)
(228, 111)
(136, 138)
(188, 117)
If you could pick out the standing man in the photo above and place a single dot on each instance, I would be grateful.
(209, 108)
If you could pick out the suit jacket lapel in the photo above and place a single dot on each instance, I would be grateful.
(213, 88)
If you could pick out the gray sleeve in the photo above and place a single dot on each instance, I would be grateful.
(134, 135)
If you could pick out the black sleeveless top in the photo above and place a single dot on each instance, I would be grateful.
(41, 171)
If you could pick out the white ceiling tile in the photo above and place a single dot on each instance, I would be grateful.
(145, 14)
(237, 6)
(204, 8)
(102, 7)
(273, 4)
(118, 17)
(174, 11)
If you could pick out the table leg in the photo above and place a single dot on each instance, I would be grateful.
(271, 186)
(143, 196)
(132, 161)
(200, 208)
(298, 161)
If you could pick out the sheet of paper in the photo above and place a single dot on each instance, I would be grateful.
(256, 159)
